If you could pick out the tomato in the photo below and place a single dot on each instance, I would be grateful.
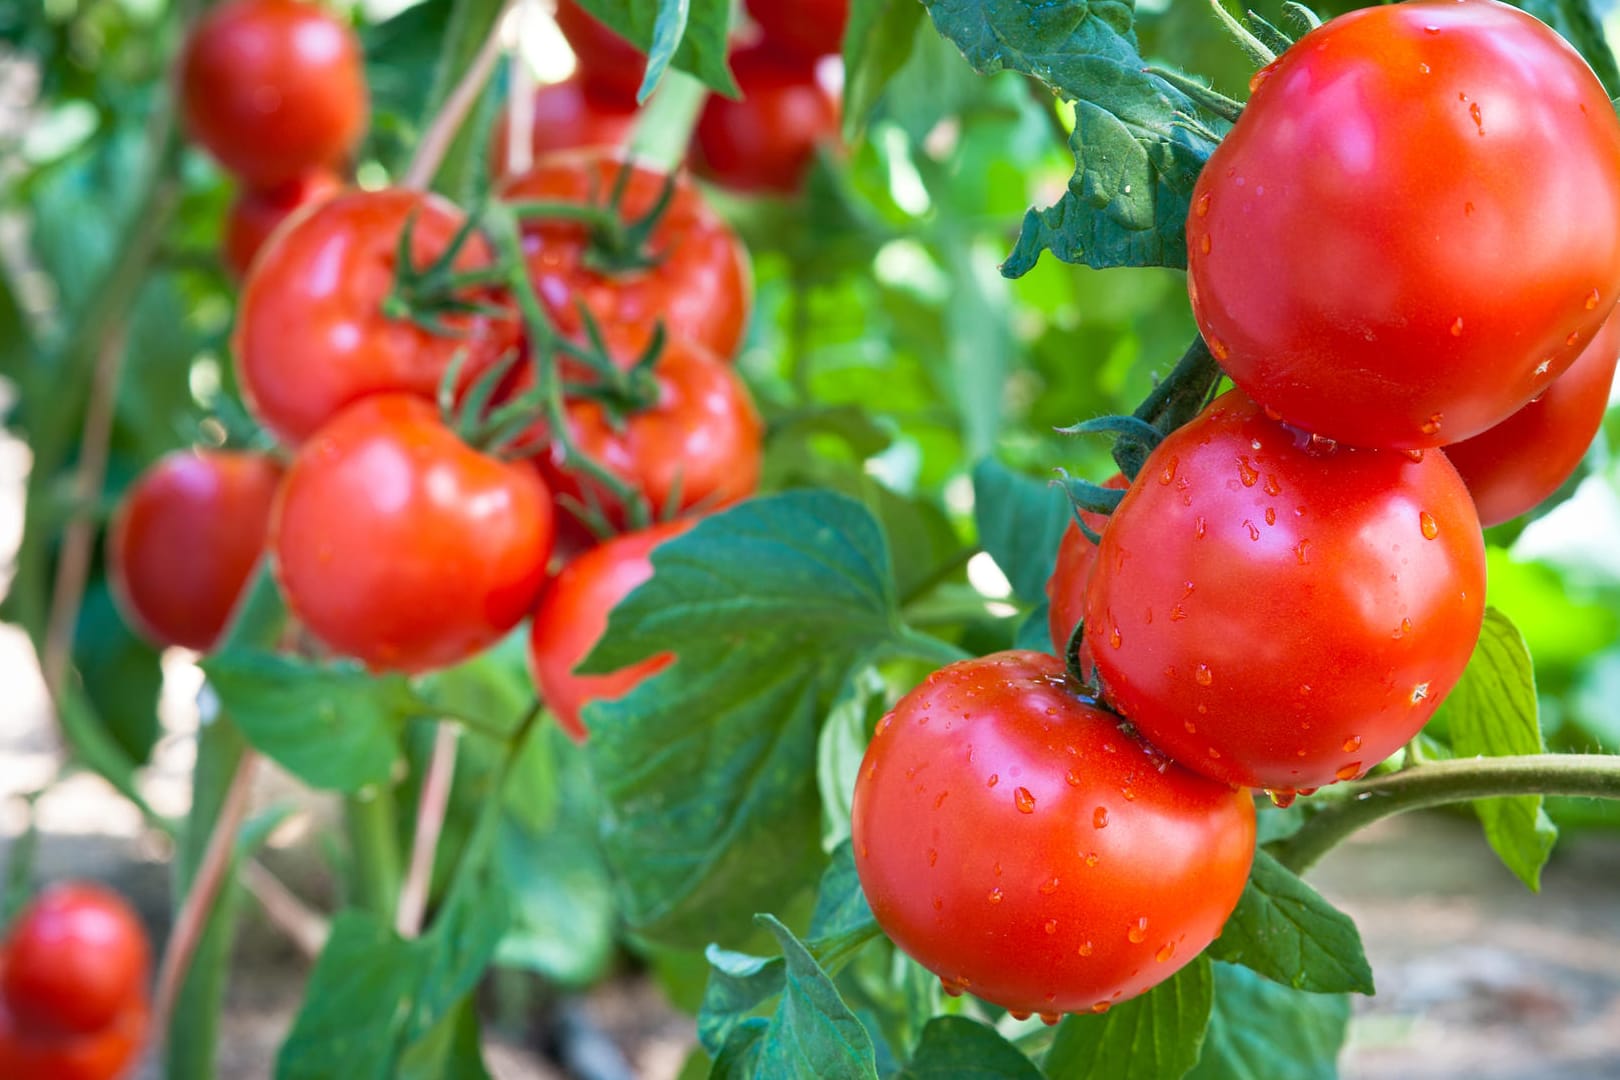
(698, 286)
(1415, 225)
(573, 615)
(311, 335)
(806, 28)
(698, 447)
(766, 141)
(75, 959)
(1513, 466)
(1066, 588)
(184, 541)
(255, 213)
(566, 117)
(399, 545)
(610, 67)
(273, 88)
(1281, 618)
(105, 1054)
(1013, 840)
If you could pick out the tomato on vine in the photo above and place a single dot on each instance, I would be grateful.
(75, 960)
(1066, 588)
(1456, 168)
(803, 28)
(573, 614)
(273, 89)
(105, 1054)
(255, 213)
(1274, 614)
(609, 66)
(1016, 842)
(566, 117)
(184, 541)
(766, 141)
(397, 544)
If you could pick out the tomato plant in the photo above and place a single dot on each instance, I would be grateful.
(256, 212)
(765, 141)
(807, 28)
(1066, 588)
(104, 1054)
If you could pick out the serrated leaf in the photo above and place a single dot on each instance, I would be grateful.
(1020, 521)
(1493, 712)
(699, 45)
(877, 43)
(1284, 930)
(1153, 1037)
(1136, 155)
(1261, 1030)
(707, 770)
(956, 1048)
(813, 1032)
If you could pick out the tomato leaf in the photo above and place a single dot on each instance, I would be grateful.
(696, 43)
(1581, 24)
(707, 770)
(954, 1046)
(1153, 1037)
(450, 1051)
(1492, 712)
(877, 43)
(1261, 1030)
(1284, 930)
(840, 749)
(1136, 154)
(1020, 521)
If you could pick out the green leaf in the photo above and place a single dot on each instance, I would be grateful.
(1492, 712)
(654, 26)
(841, 748)
(979, 329)
(877, 43)
(1020, 521)
(1261, 1030)
(813, 1032)
(1153, 1037)
(1581, 24)
(841, 905)
(121, 673)
(954, 1047)
(1284, 930)
(451, 1050)
(707, 770)
(333, 726)
(1136, 157)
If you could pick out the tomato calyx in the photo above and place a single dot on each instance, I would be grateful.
(424, 294)
(1205, 97)
(617, 245)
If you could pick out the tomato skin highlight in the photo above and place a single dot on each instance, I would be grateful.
(311, 336)
(75, 959)
(273, 88)
(1456, 167)
(106, 1054)
(802, 28)
(573, 615)
(184, 541)
(700, 286)
(1015, 842)
(610, 68)
(256, 213)
(1066, 588)
(566, 117)
(1278, 618)
(1513, 467)
(765, 142)
(399, 545)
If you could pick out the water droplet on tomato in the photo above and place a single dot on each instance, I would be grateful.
(1431, 29)
(995, 778)
(1404, 629)
(1202, 675)
(1592, 299)
(1204, 245)
(1092, 858)
(1198, 529)
(1099, 818)
(1138, 932)
(1273, 488)
(1192, 728)
(1574, 336)
(1479, 118)
(1254, 531)
(1430, 527)
(1024, 801)
(1049, 887)
(1423, 69)
(1420, 692)
(1352, 744)
(995, 896)
(1166, 951)
(1218, 349)
(1282, 800)
(1415, 455)
(1168, 473)
(1214, 753)
(1432, 425)
(1348, 772)
(1114, 638)
(1246, 472)
(1201, 207)
(1100, 1007)
(1051, 926)
(1051, 1019)
(1457, 327)
(1084, 949)
(1271, 515)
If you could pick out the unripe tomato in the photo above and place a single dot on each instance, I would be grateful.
(1282, 617)
(311, 334)
(698, 283)
(399, 545)
(806, 28)
(108, 1053)
(1512, 467)
(1415, 225)
(273, 88)
(1066, 588)
(573, 615)
(75, 959)
(1013, 840)
(185, 540)
(256, 212)
(766, 141)
(610, 67)
(566, 117)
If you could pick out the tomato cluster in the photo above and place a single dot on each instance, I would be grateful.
(73, 987)
(1295, 579)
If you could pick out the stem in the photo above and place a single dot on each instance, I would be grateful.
(375, 848)
(1359, 805)
(447, 122)
(304, 927)
(1252, 46)
(598, 218)
(430, 808)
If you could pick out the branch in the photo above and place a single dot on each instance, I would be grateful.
(430, 808)
(441, 132)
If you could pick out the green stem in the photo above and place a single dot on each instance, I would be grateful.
(378, 869)
(1356, 806)
(597, 218)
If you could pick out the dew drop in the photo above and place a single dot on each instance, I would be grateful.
(1051, 926)
(940, 801)
(1051, 1019)
(1348, 772)
(1479, 118)
(1271, 515)
(1214, 753)
(1198, 529)
(1468, 208)
(1426, 522)
(1192, 728)
(1177, 613)
(1405, 628)
(1218, 349)
(1100, 1007)
(1420, 692)
(1282, 800)
(1169, 472)
(1114, 638)
(1457, 327)
(1352, 744)
(1099, 818)
(933, 856)
(1246, 472)
(1254, 530)
(1574, 336)
(1017, 1015)
(995, 778)
(1203, 245)
(1138, 931)
(1423, 69)
(1202, 675)
(950, 987)
(1092, 858)
(1300, 550)
(1024, 801)
(1415, 455)
(995, 896)
(1592, 299)
(1049, 887)
(939, 903)
(1085, 949)
(1431, 425)
(1201, 208)
(1166, 951)
(1431, 29)
(1272, 487)
(1072, 778)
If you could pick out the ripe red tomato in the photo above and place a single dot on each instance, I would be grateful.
(399, 545)
(106, 1054)
(75, 959)
(698, 286)
(566, 117)
(806, 28)
(255, 213)
(1013, 840)
(1279, 618)
(766, 141)
(1512, 467)
(1066, 588)
(1415, 225)
(573, 615)
(273, 88)
(311, 335)
(697, 448)
(185, 540)
(611, 67)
